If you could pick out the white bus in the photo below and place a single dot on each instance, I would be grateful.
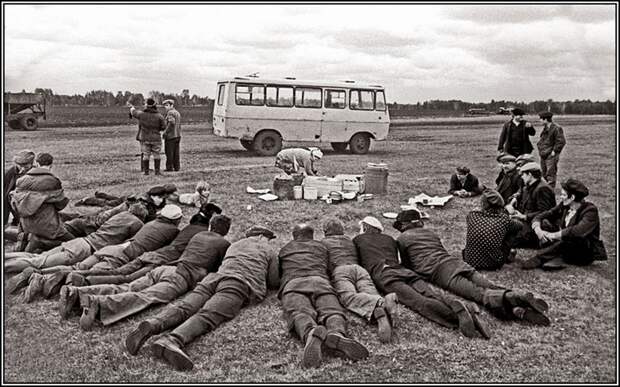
(262, 113)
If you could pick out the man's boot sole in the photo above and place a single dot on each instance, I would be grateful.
(175, 359)
(66, 302)
(136, 338)
(349, 347)
(384, 330)
(535, 317)
(312, 357)
(466, 321)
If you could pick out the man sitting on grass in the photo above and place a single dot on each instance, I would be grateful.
(311, 307)
(571, 231)
(112, 303)
(508, 181)
(249, 267)
(378, 254)
(421, 250)
(463, 184)
(355, 288)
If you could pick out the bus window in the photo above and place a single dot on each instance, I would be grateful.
(307, 97)
(220, 94)
(279, 96)
(380, 101)
(334, 99)
(361, 100)
(250, 95)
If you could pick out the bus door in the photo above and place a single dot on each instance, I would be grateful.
(334, 121)
(307, 121)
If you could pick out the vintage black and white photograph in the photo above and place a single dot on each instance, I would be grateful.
(306, 192)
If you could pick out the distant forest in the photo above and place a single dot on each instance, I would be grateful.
(439, 107)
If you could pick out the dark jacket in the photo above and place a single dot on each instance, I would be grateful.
(551, 139)
(341, 251)
(535, 198)
(508, 184)
(471, 184)
(486, 246)
(10, 178)
(150, 123)
(114, 231)
(38, 196)
(203, 254)
(302, 258)
(584, 225)
(515, 140)
(151, 236)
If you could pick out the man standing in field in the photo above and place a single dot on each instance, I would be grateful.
(514, 138)
(172, 137)
(550, 145)
(150, 123)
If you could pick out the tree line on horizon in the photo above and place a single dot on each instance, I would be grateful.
(449, 107)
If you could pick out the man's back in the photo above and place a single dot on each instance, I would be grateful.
(204, 253)
(376, 251)
(341, 251)
(151, 236)
(302, 258)
(114, 231)
(174, 250)
(421, 250)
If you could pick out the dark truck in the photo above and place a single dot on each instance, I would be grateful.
(22, 110)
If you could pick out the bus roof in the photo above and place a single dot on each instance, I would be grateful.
(298, 82)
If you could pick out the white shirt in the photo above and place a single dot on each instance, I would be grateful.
(569, 216)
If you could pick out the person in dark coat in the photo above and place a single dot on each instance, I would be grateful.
(488, 233)
(550, 146)
(378, 254)
(150, 124)
(23, 162)
(508, 181)
(514, 138)
(310, 304)
(421, 250)
(248, 269)
(535, 197)
(571, 229)
(463, 184)
(38, 198)
(110, 303)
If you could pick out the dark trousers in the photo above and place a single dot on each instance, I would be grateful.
(80, 227)
(215, 300)
(549, 169)
(471, 286)
(525, 237)
(574, 252)
(173, 156)
(8, 209)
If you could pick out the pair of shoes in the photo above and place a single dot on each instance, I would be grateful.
(20, 280)
(138, 336)
(531, 315)
(312, 357)
(391, 306)
(53, 283)
(531, 263)
(89, 313)
(350, 348)
(554, 264)
(384, 330)
(35, 287)
(166, 349)
(76, 279)
(67, 301)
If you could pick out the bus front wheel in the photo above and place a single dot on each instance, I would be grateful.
(247, 144)
(29, 123)
(267, 143)
(360, 143)
(340, 146)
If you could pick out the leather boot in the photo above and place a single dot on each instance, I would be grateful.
(157, 163)
(493, 299)
(141, 162)
(145, 166)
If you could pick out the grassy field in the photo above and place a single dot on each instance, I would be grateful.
(579, 347)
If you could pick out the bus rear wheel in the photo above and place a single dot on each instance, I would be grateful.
(267, 143)
(247, 144)
(340, 146)
(360, 143)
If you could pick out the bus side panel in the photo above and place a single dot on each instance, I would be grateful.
(290, 130)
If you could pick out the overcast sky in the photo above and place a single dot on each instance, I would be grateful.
(473, 53)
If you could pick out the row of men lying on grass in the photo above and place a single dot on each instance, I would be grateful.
(316, 279)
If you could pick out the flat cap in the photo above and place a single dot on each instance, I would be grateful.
(525, 158)
(408, 216)
(25, 156)
(574, 186)
(517, 112)
(171, 211)
(506, 157)
(170, 188)
(259, 230)
(492, 198)
(168, 102)
(372, 221)
(545, 115)
(158, 190)
(527, 167)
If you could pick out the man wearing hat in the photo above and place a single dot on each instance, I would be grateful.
(147, 261)
(355, 288)
(150, 123)
(38, 197)
(151, 236)
(299, 160)
(111, 303)
(172, 137)
(249, 268)
(488, 231)
(378, 254)
(514, 138)
(550, 145)
(463, 184)
(310, 304)
(421, 250)
(508, 181)
(22, 163)
(524, 159)
(535, 197)
(574, 235)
